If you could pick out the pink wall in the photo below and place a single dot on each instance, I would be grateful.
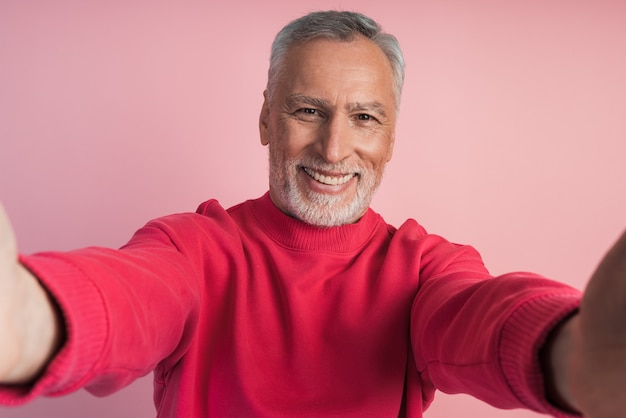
(512, 134)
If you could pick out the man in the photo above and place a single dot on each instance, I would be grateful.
(304, 302)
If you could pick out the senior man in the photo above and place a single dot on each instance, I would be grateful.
(305, 302)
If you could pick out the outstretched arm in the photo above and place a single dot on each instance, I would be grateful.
(587, 355)
(30, 329)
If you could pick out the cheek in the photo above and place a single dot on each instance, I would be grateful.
(293, 141)
(379, 153)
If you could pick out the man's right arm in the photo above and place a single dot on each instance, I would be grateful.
(30, 325)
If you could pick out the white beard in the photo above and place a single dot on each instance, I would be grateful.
(320, 209)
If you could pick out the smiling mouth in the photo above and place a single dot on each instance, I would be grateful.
(328, 180)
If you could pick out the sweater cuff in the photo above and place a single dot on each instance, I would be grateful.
(81, 307)
(523, 336)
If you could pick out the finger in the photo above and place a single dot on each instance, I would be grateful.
(8, 246)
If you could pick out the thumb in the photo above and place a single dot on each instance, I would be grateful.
(8, 244)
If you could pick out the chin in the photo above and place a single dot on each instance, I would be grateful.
(326, 210)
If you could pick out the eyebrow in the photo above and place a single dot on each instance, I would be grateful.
(300, 99)
(376, 107)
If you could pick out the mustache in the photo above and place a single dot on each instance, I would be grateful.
(319, 164)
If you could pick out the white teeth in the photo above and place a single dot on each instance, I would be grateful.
(331, 181)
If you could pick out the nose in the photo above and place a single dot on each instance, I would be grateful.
(336, 140)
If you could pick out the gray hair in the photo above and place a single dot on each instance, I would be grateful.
(338, 25)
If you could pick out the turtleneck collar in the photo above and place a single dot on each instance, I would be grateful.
(298, 235)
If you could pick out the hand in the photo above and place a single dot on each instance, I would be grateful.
(9, 291)
(29, 329)
(597, 372)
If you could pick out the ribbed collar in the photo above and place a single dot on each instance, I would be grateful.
(295, 234)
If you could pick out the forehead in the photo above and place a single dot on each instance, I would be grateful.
(326, 67)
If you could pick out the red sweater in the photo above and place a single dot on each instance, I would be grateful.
(248, 312)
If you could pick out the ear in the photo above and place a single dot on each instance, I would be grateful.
(264, 121)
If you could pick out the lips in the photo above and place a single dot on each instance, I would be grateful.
(328, 179)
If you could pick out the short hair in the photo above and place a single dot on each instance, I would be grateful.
(338, 25)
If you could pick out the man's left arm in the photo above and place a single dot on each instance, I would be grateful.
(585, 357)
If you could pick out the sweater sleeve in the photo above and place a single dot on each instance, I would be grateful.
(124, 310)
(481, 335)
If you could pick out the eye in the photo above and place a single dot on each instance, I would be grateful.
(364, 117)
(308, 114)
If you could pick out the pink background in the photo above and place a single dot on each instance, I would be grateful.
(511, 137)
